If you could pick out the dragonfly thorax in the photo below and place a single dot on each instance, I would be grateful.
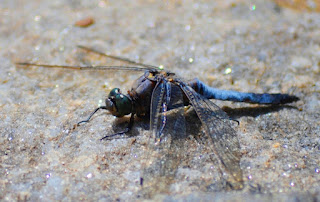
(118, 104)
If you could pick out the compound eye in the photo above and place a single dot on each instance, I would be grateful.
(113, 93)
(123, 104)
(118, 104)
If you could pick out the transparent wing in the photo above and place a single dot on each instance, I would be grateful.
(143, 67)
(167, 123)
(150, 67)
(159, 103)
(224, 138)
(127, 68)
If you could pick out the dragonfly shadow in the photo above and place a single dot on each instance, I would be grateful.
(255, 111)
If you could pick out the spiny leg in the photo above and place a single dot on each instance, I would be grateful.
(235, 120)
(126, 130)
(88, 119)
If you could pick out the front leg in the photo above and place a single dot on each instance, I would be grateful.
(126, 130)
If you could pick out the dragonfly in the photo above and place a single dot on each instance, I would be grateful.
(158, 92)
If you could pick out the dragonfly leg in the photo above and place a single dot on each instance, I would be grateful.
(88, 119)
(127, 129)
(231, 119)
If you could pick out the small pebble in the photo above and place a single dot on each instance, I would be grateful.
(86, 22)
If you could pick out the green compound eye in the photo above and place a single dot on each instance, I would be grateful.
(113, 93)
(118, 104)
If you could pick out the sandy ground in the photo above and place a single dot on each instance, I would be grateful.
(252, 46)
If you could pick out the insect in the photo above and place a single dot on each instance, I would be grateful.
(157, 92)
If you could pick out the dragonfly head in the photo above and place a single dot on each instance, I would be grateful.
(118, 104)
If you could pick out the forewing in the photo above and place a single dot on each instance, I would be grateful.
(224, 138)
(89, 68)
(166, 143)
(158, 100)
(146, 66)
